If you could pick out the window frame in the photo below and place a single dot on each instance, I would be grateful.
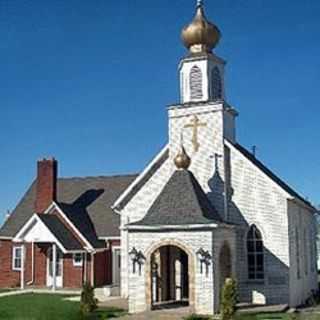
(77, 263)
(253, 269)
(15, 258)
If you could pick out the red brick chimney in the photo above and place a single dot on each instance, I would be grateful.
(46, 189)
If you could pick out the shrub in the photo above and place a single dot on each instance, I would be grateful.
(228, 299)
(88, 302)
(196, 317)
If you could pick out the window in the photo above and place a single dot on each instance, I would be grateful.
(298, 253)
(216, 84)
(78, 259)
(196, 83)
(255, 254)
(16, 258)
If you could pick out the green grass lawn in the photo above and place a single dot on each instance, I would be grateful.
(47, 307)
(277, 316)
(264, 316)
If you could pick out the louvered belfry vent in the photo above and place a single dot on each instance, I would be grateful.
(216, 84)
(196, 83)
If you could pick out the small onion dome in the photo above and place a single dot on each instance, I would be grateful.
(200, 35)
(182, 160)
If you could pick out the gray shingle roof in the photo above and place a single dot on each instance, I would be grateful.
(64, 236)
(87, 202)
(181, 202)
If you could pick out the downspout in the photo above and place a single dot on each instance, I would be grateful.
(32, 265)
(85, 268)
(92, 267)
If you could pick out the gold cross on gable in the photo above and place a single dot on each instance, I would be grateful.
(195, 125)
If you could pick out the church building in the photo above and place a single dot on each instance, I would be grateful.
(203, 210)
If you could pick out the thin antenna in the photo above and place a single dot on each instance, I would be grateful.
(254, 150)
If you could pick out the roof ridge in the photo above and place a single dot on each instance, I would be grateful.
(100, 176)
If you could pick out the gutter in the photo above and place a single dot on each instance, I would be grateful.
(32, 265)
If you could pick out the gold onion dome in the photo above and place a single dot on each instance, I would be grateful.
(182, 160)
(200, 35)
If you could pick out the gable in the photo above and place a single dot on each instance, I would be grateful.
(272, 176)
(44, 228)
(142, 179)
(86, 199)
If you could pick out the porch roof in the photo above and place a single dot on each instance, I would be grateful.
(61, 232)
(181, 202)
(48, 228)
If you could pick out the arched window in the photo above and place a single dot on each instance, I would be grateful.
(216, 84)
(255, 254)
(195, 83)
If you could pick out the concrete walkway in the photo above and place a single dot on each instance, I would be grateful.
(162, 314)
(34, 290)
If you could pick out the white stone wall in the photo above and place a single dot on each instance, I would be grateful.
(193, 241)
(221, 236)
(301, 286)
(136, 209)
(256, 199)
(210, 139)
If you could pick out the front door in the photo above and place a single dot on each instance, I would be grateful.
(59, 269)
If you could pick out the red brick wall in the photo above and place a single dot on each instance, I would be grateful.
(11, 278)
(40, 264)
(72, 275)
(8, 277)
(100, 268)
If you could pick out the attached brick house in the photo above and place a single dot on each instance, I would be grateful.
(67, 220)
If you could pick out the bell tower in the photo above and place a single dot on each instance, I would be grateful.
(203, 119)
(201, 72)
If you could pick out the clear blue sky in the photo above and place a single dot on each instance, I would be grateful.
(89, 81)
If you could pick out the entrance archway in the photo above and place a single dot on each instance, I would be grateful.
(170, 278)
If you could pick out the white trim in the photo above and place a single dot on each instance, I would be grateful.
(109, 238)
(32, 264)
(14, 248)
(114, 264)
(138, 179)
(6, 238)
(22, 278)
(47, 268)
(175, 227)
(18, 238)
(56, 206)
(76, 263)
(92, 269)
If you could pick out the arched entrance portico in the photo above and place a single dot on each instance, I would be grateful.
(169, 276)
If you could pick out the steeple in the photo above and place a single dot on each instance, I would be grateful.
(201, 72)
(200, 35)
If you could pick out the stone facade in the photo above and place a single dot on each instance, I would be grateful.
(244, 195)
